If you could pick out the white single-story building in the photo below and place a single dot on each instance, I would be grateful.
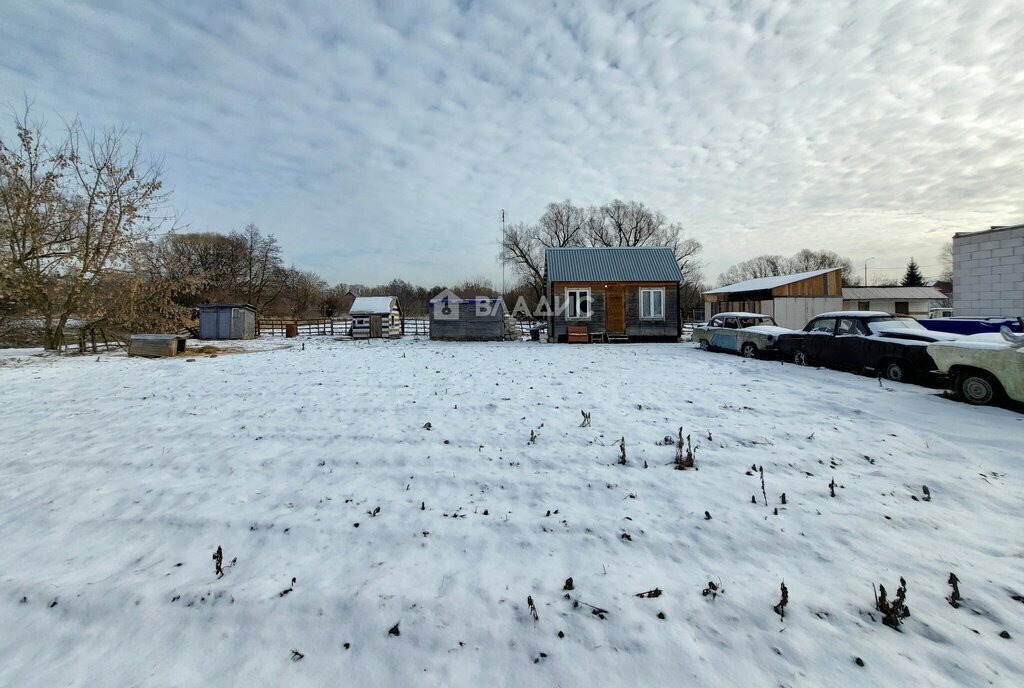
(913, 301)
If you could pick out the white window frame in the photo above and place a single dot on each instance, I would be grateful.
(569, 303)
(653, 315)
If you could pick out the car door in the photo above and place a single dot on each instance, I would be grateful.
(850, 344)
(817, 343)
(724, 337)
(704, 333)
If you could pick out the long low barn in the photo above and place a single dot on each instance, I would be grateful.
(376, 317)
(791, 299)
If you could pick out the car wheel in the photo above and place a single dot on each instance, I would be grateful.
(749, 350)
(704, 346)
(976, 387)
(897, 371)
(801, 359)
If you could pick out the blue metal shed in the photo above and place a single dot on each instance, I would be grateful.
(227, 321)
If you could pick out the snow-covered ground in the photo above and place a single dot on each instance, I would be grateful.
(120, 477)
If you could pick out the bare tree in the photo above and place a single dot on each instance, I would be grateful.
(262, 272)
(754, 268)
(70, 212)
(807, 260)
(771, 265)
(618, 223)
(946, 260)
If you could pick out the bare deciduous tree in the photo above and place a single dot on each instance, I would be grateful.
(805, 260)
(618, 223)
(946, 259)
(70, 212)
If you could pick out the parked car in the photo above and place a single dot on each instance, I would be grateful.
(964, 325)
(984, 368)
(865, 341)
(749, 334)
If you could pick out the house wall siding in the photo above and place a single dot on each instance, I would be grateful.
(988, 273)
(918, 308)
(469, 325)
(636, 329)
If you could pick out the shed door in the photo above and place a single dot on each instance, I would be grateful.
(375, 325)
(208, 324)
(615, 308)
(224, 323)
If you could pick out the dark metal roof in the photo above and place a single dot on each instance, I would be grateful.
(612, 264)
(227, 305)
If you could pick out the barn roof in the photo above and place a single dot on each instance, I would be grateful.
(762, 283)
(612, 264)
(371, 305)
(902, 293)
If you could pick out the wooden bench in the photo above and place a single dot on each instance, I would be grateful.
(578, 334)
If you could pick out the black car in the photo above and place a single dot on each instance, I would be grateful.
(893, 346)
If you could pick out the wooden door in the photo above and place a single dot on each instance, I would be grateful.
(375, 326)
(615, 308)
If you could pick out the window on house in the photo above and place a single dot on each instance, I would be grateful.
(863, 305)
(577, 304)
(903, 307)
(652, 304)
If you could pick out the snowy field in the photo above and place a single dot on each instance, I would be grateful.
(120, 477)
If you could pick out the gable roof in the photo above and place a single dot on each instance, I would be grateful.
(446, 295)
(371, 305)
(612, 264)
(909, 293)
(762, 283)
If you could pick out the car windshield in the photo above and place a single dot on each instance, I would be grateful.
(751, 322)
(879, 325)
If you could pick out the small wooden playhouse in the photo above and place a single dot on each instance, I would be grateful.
(376, 317)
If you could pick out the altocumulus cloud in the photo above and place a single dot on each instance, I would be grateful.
(381, 139)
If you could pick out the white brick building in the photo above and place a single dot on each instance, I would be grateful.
(988, 272)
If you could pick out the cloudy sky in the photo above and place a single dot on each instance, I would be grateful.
(382, 139)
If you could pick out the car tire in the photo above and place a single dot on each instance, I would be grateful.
(704, 346)
(977, 387)
(801, 359)
(749, 350)
(896, 370)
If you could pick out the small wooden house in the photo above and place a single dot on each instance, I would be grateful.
(613, 294)
(453, 318)
(791, 299)
(156, 345)
(227, 321)
(376, 317)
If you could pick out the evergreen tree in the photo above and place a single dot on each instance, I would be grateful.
(913, 277)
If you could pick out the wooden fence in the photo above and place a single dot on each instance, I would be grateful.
(304, 328)
(320, 327)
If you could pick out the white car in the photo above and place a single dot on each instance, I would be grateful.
(749, 334)
(983, 367)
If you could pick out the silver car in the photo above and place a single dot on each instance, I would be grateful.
(749, 334)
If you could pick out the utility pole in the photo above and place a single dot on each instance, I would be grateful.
(866, 270)
(503, 250)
